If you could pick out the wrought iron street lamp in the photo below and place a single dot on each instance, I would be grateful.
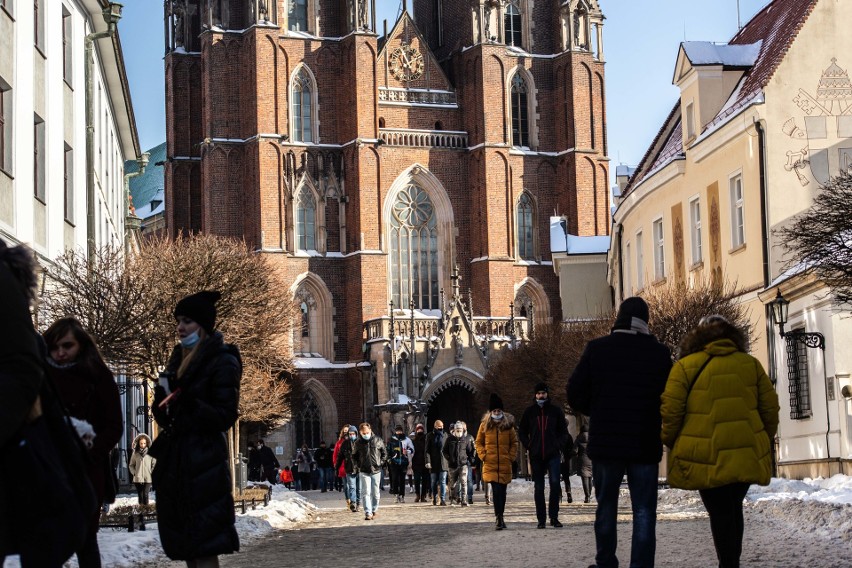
(780, 309)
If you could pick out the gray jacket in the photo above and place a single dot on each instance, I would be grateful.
(141, 466)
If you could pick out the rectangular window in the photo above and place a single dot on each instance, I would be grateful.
(67, 43)
(8, 5)
(798, 378)
(39, 162)
(38, 22)
(640, 263)
(297, 16)
(659, 251)
(6, 141)
(69, 184)
(695, 229)
(690, 121)
(627, 275)
(737, 213)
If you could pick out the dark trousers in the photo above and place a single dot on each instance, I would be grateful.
(142, 491)
(642, 483)
(89, 555)
(725, 507)
(498, 495)
(421, 482)
(397, 478)
(552, 467)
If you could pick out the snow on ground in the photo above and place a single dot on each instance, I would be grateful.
(819, 507)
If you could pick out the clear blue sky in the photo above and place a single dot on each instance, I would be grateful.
(641, 39)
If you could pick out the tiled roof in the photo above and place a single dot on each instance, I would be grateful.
(144, 188)
(776, 26)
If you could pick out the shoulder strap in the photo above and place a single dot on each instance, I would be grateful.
(700, 370)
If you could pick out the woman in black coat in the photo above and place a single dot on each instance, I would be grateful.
(195, 404)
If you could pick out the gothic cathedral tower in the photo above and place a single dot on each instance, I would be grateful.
(403, 183)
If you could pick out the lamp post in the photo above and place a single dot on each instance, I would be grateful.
(812, 339)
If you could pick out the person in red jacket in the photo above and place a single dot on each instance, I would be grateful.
(286, 477)
(88, 390)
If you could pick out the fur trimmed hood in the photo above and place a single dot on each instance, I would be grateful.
(697, 339)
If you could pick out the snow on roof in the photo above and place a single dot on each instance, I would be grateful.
(710, 53)
(561, 241)
(316, 361)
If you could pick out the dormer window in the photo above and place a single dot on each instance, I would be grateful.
(690, 121)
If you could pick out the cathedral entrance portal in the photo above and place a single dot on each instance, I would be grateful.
(454, 403)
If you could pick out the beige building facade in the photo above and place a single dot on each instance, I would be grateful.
(761, 124)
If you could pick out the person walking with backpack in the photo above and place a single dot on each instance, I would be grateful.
(543, 431)
(458, 451)
(497, 446)
(720, 416)
(437, 463)
(369, 454)
(618, 383)
(196, 402)
(399, 449)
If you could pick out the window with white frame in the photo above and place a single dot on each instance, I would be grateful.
(6, 142)
(512, 25)
(414, 249)
(306, 212)
(737, 211)
(38, 24)
(640, 262)
(69, 184)
(67, 45)
(39, 160)
(526, 230)
(695, 230)
(659, 251)
(628, 275)
(690, 121)
(520, 112)
(303, 112)
(297, 15)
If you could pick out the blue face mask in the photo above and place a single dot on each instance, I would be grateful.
(540, 402)
(366, 436)
(352, 436)
(498, 416)
(191, 340)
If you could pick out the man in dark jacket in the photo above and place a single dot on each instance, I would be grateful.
(436, 462)
(369, 455)
(458, 451)
(618, 383)
(543, 431)
(418, 464)
(322, 456)
(268, 462)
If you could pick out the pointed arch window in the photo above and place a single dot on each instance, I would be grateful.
(414, 250)
(512, 25)
(297, 15)
(526, 227)
(303, 111)
(520, 112)
(309, 423)
(306, 212)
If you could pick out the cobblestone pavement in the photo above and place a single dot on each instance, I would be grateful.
(421, 535)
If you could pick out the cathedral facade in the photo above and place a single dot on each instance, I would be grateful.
(401, 179)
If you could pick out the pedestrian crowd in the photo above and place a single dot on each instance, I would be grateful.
(714, 408)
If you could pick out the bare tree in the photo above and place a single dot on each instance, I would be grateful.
(820, 238)
(676, 308)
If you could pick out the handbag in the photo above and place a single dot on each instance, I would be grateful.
(47, 487)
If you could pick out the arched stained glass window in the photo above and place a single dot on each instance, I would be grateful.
(302, 107)
(520, 123)
(526, 232)
(512, 24)
(414, 250)
(309, 423)
(306, 211)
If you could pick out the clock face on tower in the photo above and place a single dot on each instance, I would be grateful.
(406, 63)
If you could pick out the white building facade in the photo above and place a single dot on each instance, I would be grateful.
(44, 183)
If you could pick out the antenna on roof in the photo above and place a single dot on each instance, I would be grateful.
(739, 21)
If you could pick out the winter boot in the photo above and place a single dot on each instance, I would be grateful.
(498, 526)
(434, 500)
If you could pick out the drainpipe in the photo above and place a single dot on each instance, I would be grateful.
(111, 14)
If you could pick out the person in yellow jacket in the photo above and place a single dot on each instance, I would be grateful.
(720, 415)
(497, 446)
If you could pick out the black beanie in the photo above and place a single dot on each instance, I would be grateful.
(541, 387)
(200, 308)
(633, 307)
(495, 402)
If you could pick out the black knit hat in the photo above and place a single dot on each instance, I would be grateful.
(541, 387)
(495, 402)
(633, 307)
(200, 308)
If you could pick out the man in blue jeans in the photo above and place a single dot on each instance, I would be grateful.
(543, 431)
(617, 384)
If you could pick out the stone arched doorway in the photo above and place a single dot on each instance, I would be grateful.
(456, 402)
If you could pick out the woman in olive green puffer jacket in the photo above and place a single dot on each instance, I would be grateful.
(720, 415)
